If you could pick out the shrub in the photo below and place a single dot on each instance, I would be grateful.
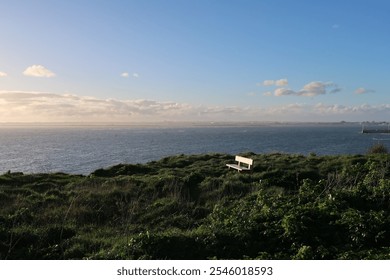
(378, 149)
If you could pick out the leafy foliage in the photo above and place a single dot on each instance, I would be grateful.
(193, 207)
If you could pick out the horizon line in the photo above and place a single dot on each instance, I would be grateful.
(181, 123)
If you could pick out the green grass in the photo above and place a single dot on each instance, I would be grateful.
(193, 207)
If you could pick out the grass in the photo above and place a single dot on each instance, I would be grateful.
(193, 207)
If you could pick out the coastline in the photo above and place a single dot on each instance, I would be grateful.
(179, 124)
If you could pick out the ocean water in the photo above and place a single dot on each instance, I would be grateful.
(81, 150)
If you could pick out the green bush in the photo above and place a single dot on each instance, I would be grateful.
(378, 149)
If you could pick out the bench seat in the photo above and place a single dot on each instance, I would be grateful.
(238, 167)
(243, 164)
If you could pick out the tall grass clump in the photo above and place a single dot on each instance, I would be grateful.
(378, 149)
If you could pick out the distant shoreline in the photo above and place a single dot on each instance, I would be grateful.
(175, 124)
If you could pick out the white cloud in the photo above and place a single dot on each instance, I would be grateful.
(315, 88)
(362, 90)
(284, 91)
(310, 89)
(38, 71)
(268, 82)
(126, 75)
(3, 74)
(278, 83)
(281, 82)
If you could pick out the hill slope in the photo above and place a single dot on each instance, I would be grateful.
(193, 207)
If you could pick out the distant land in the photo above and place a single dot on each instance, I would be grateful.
(173, 124)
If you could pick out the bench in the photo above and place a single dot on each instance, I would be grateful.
(248, 162)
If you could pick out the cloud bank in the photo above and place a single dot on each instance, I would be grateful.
(21, 106)
(3, 74)
(38, 71)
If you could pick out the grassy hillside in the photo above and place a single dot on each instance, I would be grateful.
(193, 207)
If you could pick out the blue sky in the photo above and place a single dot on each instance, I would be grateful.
(171, 60)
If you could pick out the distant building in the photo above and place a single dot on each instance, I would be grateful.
(375, 127)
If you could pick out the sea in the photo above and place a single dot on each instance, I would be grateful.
(81, 149)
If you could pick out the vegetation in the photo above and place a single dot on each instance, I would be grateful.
(193, 207)
(378, 149)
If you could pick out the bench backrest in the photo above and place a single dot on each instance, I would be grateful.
(245, 160)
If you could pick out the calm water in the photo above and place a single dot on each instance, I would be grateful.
(82, 150)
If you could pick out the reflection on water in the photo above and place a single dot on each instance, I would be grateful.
(84, 149)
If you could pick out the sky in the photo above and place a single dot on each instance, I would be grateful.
(200, 60)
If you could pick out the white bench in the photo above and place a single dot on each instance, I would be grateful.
(248, 162)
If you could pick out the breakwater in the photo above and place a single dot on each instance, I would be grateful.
(375, 130)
